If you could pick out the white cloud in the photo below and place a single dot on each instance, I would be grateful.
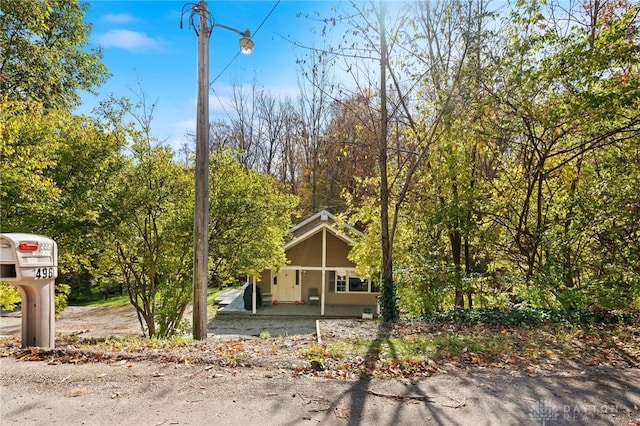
(182, 133)
(118, 18)
(132, 41)
(182, 129)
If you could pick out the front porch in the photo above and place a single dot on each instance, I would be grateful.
(236, 307)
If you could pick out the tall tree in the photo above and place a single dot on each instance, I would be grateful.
(44, 52)
(313, 104)
(412, 100)
(250, 218)
(148, 222)
(565, 89)
(55, 170)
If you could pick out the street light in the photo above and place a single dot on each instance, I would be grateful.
(246, 44)
(201, 210)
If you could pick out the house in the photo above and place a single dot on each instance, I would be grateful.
(318, 271)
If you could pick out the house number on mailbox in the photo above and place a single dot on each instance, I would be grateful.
(44, 273)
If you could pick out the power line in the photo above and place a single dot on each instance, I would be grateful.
(221, 103)
(254, 33)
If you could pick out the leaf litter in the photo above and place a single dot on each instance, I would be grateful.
(353, 349)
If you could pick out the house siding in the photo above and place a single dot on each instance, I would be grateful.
(366, 299)
(311, 279)
(337, 252)
(307, 252)
(264, 281)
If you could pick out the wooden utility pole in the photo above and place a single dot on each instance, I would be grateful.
(201, 213)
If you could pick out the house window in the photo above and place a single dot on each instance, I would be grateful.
(357, 285)
(349, 282)
(341, 283)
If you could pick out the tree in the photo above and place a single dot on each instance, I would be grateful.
(409, 116)
(148, 221)
(52, 166)
(449, 186)
(151, 237)
(250, 218)
(44, 52)
(313, 104)
(28, 145)
(563, 91)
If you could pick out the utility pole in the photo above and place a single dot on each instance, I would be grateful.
(201, 213)
(201, 209)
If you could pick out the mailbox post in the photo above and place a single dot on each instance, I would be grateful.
(30, 263)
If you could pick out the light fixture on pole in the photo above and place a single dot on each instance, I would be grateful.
(246, 44)
(201, 210)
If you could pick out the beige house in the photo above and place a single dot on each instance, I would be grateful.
(318, 271)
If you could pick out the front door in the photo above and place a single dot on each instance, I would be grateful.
(287, 285)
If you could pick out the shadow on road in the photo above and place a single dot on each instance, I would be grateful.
(487, 396)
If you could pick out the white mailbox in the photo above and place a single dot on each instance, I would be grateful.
(30, 263)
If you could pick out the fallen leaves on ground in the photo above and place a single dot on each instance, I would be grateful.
(364, 349)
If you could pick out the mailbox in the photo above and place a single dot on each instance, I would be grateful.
(30, 263)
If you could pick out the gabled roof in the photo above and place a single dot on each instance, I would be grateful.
(314, 223)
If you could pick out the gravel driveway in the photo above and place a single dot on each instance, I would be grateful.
(121, 321)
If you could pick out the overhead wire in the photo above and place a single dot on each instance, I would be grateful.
(220, 102)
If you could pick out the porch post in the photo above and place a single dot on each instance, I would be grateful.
(324, 267)
(253, 295)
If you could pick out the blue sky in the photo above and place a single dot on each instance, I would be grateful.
(144, 46)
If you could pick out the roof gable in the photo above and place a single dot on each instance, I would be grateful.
(315, 223)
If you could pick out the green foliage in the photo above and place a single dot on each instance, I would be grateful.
(147, 224)
(151, 237)
(62, 294)
(9, 296)
(527, 196)
(265, 334)
(250, 218)
(29, 144)
(389, 301)
(44, 53)
(531, 316)
(579, 104)
(55, 168)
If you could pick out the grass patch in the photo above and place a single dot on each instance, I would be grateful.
(94, 298)
(412, 348)
(418, 348)
(135, 343)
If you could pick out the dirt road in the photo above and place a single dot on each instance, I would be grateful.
(142, 393)
(273, 390)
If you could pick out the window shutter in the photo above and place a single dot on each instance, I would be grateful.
(332, 281)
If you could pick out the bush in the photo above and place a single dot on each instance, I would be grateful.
(531, 316)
